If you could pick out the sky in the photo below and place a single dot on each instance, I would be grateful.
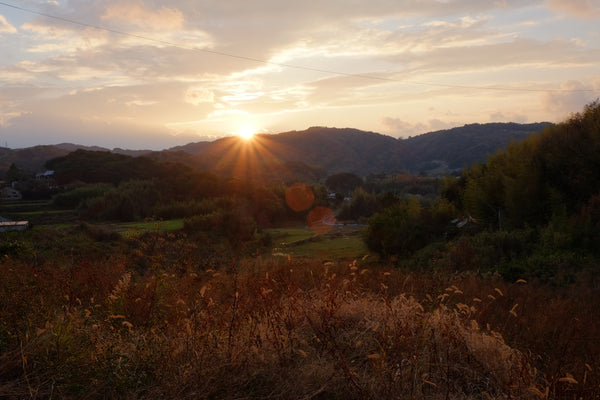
(149, 74)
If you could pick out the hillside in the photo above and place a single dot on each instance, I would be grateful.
(463, 146)
(336, 150)
(33, 159)
(30, 159)
(364, 153)
(320, 149)
(345, 150)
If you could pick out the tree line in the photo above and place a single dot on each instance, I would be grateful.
(531, 209)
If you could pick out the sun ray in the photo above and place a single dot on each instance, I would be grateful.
(252, 160)
(246, 132)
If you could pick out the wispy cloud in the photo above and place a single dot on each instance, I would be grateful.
(584, 9)
(5, 27)
(136, 13)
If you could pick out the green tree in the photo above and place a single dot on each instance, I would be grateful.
(361, 205)
(526, 184)
(398, 230)
(129, 201)
(16, 174)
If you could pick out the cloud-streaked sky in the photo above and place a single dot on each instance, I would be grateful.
(148, 74)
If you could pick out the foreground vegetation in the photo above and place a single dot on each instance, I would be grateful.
(94, 315)
(144, 280)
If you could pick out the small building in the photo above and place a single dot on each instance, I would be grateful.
(9, 226)
(44, 176)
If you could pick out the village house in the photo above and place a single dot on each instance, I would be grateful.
(45, 176)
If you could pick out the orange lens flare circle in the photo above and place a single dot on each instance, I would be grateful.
(299, 197)
(320, 220)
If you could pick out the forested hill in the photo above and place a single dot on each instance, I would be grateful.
(552, 175)
(331, 150)
(463, 146)
(33, 159)
(352, 150)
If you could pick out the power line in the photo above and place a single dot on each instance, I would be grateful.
(284, 65)
(165, 42)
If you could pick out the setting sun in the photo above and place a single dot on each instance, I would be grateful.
(246, 132)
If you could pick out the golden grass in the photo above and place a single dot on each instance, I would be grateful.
(287, 329)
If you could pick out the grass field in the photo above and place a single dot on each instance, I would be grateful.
(37, 212)
(286, 236)
(85, 314)
(137, 228)
(24, 204)
(341, 243)
(335, 248)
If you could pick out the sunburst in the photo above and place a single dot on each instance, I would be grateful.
(252, 157)
(246, 132)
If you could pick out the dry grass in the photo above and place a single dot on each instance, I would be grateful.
(288, 329)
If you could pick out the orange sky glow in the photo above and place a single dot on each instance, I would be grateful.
(152, 75)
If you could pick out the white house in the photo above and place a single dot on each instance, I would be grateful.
(46, 175)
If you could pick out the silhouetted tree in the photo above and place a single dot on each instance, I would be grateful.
(344, 182)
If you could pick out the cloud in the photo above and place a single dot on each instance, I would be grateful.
(517, 52)
(402, 129)
(508, 117)
(203, 37)
(332, 10)
(199, 95)
(32, 129)
(39, 113)
(138, 14)
(5, 27)
(583, 9)
(573, 97)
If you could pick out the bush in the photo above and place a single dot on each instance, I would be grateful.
(497, 247)
(362, 205)
(132, 200)
(406, 227)
(73, 198)
(185, 208)
(233, 224)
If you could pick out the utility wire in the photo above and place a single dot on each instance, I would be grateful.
(285, 65)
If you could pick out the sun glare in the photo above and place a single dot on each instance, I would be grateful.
(246, 132)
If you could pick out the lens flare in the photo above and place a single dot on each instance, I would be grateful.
(321, 220)
(299, 197)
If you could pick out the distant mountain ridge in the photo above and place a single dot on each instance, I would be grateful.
(33, 158)
(332, 149)
(361, 152)
(463, 146)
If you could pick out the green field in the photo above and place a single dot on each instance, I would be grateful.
(129, 229)
(334, 248)
(340, 243)
(299, 241)
(286, 236)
